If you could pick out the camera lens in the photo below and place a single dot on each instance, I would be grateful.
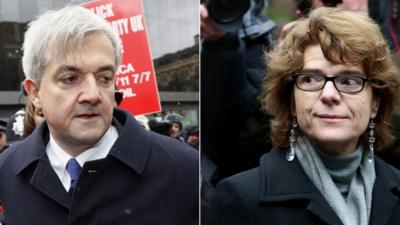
(227, 11)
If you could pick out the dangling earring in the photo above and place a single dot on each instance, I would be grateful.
(292, 139)
(371, 137)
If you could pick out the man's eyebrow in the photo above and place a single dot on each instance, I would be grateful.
(106, 68)
(70, 68)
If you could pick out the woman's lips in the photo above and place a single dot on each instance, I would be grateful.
(332, 118)
(326, 116)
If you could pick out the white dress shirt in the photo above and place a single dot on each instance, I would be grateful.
(59, 158)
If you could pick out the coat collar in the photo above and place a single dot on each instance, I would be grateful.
(133, 144)
(32, 149)
(131, 147)
(31, 152)
(283, 181)
(386, 192)
(286, 176)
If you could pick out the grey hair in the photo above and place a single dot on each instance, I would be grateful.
(53, 32)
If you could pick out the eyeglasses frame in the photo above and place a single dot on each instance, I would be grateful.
(294, 76)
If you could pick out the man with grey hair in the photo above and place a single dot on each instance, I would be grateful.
(89, 163)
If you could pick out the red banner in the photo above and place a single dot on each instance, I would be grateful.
(135, 78)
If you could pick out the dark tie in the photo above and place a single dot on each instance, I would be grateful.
(73, 168)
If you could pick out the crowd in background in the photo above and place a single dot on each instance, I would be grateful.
(24, 121)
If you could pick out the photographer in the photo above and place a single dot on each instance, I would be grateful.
(233, 129)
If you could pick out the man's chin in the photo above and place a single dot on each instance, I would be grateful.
(88, 136)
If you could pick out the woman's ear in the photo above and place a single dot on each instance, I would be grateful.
(293, 106)
(32, 90)
(293, 111)
(375, 106)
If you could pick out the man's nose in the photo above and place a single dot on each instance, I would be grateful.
(329, 94)
(90, 92)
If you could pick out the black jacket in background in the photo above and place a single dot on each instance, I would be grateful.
(234, 131)
(387, 14)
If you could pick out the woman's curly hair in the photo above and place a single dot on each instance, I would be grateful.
(345, 38)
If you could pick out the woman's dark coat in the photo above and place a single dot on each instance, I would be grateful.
(280, 193)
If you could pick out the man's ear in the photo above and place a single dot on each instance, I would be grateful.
(32, 89)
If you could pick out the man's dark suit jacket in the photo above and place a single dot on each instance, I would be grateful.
(145, 179)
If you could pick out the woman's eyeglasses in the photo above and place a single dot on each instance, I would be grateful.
(346, 83)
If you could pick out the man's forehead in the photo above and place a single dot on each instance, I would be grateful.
(74, 56)
(72, 46)
(73, 62)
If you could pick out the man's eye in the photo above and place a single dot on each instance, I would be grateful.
(69, 79)
(105, 78)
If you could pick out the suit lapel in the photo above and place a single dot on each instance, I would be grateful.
(46, 181)
(283, 181)
(32, 154)
(320, 208)
(383, 202)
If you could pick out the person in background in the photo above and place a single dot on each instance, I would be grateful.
(232, 70)
(15, 127)
(332, 89)
(89, 162)
(175, 130)
(191, 134)
(384, 12)
(234, 129)
(3, 135)
(3, 146)
(32, 118)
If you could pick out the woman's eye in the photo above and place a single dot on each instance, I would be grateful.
(310, 78)
(351, 81)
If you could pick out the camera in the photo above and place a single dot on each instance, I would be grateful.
(227, 14)
(243, 16)
(161, 127)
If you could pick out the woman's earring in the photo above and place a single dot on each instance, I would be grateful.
(371, 136)
(292, 139)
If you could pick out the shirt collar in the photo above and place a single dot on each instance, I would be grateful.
(59, 157)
